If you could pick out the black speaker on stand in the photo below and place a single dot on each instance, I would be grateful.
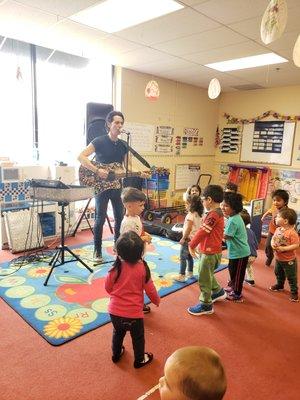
(95, 120)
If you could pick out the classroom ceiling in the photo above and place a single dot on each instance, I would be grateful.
(175, 46)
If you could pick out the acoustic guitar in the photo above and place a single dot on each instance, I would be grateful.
(115, 173)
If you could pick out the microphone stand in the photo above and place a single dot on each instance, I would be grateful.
(127, 158)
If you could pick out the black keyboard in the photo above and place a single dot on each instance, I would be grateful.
(48, 183)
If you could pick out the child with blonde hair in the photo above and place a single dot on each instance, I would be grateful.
(193, 373)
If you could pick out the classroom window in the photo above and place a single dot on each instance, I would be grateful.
(65, 83)
(16, 125)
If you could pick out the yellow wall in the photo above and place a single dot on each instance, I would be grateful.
(248, 104)
(179, 105)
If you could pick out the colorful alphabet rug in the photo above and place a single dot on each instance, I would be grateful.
(72, 304)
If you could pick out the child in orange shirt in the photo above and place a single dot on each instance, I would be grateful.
(284, 242)
(280, 199)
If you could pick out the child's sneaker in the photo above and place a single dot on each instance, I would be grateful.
(294, 297)
(276, 288)
(237, 298)
(190, 275)
(250, 282)
(201, 309)
(180, 278)
(228, 289)
(146, 309)
(220, 295)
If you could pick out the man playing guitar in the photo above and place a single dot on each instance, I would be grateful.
(108, 149)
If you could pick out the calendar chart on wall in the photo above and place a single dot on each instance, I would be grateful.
(186, 175)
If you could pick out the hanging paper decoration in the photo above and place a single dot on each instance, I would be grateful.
(214, 88)
(273, 21)
(19, 75)
(233, 120)
(152, 91)
(296, 52)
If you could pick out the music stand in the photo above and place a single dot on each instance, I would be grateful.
(61, 249)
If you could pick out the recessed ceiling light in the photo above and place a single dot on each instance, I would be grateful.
(115, 15)
(247, 62)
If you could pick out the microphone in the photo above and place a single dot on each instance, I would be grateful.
(125, 132)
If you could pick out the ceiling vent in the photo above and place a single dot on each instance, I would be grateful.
(249, 86)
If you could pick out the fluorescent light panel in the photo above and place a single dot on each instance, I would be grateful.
(247, 62)
(116, 15)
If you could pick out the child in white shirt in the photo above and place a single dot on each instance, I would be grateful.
(192, 223)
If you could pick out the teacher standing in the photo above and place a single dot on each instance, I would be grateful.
(108, 149)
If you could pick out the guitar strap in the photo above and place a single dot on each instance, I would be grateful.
(135, 154)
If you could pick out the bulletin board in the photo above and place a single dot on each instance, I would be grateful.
(186, 175)
(268, 142)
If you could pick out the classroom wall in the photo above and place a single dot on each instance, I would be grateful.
(179, 105)
(248, 104)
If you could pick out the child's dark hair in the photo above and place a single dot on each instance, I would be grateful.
(230, 186)
(215, 192)
(130, 195)
(289, 214)
(245, 216)
(234, 200)
(195, 204)
(130, 248)
(189, 189)
(282, 194)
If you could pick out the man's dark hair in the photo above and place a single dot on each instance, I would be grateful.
(109, 118)
(234, 200)
(215, 192)
(282, 194)
(231, 186)
(289, 214)
(130, 195)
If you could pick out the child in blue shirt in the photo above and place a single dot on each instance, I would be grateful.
(237, 245)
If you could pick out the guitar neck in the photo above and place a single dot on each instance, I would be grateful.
(128, 175)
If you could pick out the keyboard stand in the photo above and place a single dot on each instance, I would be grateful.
(59, 257)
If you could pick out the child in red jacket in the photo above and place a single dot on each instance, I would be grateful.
(125, 283)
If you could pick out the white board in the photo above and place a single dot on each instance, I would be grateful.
(141, 137)
(268, 142)
(186, 175)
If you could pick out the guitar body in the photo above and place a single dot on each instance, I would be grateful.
(115, 173)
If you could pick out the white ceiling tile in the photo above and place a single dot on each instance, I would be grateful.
(239, 50)
(200, 42)
(168, 64)
(23, 23)
(191, 2)
(63, 8)
(229, 11)
(140, 57)
(249, 27)
(171, 45)
(286, 41)
(286, 74)
(175, 25)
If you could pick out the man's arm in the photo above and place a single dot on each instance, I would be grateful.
(85, 161)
